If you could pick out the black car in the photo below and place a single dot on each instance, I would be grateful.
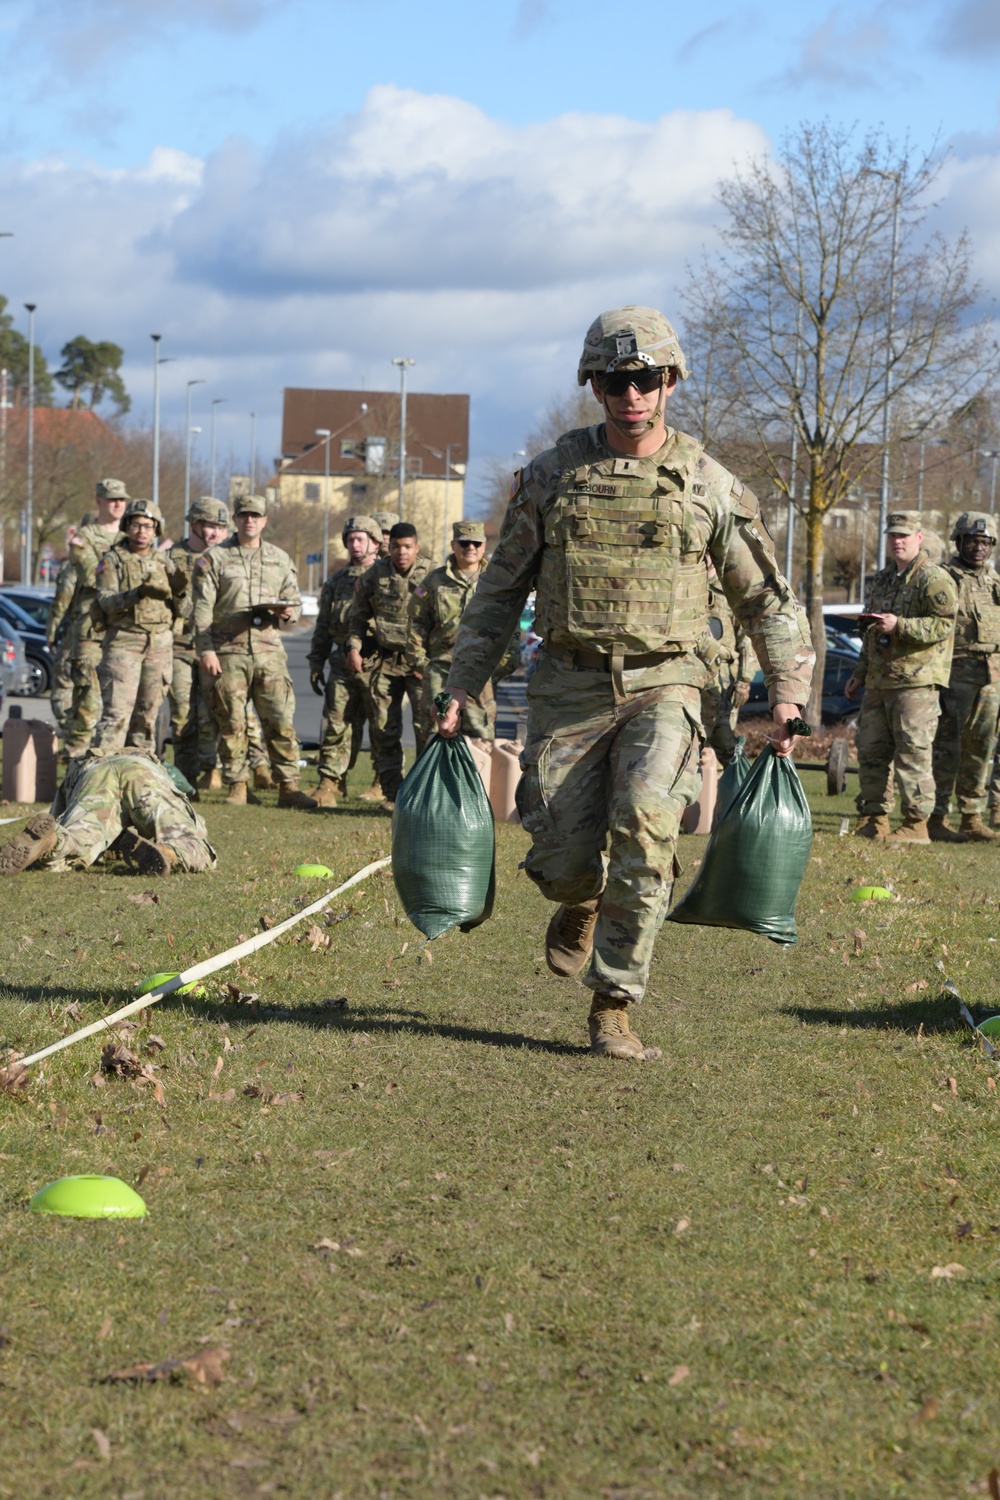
(837, 706)
(36, 648)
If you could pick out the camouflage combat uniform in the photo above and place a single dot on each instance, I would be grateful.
(966, 739)
(436, 606)
(86, 631)
(381, 607)
(345, 703)
(59, 635)
(729, 661)
(901, 674)
(229, 582)
(135, 596)
(106, 793)
(616, 547)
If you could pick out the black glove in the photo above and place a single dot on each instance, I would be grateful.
(317, 681)
(178, 580)
(151, 590)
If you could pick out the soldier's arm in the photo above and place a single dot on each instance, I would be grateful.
(205, 587)
(494, 611)
(422, 622)
(65, 588)
(290, 595)
(760, 598)
(361, 612)
(322, 636)
(941, 601)
(112, 599)
(85, 561)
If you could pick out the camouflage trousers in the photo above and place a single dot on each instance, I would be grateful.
(896, 733)
(386, 687)
(345, 711)
(965, 744)
(121, 792)
(602, 793)
(479, 715)
(255, 681)
(134, 675)
(62, 688)
(193, 730)
(85, 709)
(718, 717)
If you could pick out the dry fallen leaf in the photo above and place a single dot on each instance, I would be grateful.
(206, 1369)
(120, 1062)
(147, 898)
(103, 1445)
(860, 939)
(948, 1272)
(317, 938)
(938, 1109)
(917, 985)
(105, 1327)
(326, 1244)
(508, 1322)
(14, 1079)
(953, 1085)
(681, 1373)
(681, 1225)
(928, 1411)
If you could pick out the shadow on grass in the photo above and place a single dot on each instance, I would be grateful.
(386, 1020)
(937, 1013)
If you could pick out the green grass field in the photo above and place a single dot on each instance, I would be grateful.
(471, 1261)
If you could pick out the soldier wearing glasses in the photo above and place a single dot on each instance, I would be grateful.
(436, 606)
(612, 527)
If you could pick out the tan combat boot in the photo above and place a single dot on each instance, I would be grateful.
(36, 839)
(326, 793)
(940, 832)
(210, 781)
(240, 796)
(148, 858)
(976, 830)
(262, 779)
(374, 792)
(872, 826)
(290, 796)
(995, 816)
(610, 1035)
(569, 941)
(911, 831)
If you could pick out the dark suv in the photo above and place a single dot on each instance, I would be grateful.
(36, 648)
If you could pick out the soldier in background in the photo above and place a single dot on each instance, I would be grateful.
(612, 527)
(382, 609)
(138, 589)
(193, 729)
(59, 636)
(85, 625)
(386, 519)
(731, 664)
(436, 607)
(344, 693)
(905, 658)
(244, 588)
(966, 739)
(123, 799)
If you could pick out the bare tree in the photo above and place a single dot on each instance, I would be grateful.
(822, 321)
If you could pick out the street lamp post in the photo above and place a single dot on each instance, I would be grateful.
(864, 545)
(883, 497)
(403, 365)
(187, 455)
(326, 434)
(216, 401)
(253, 451)
(29, 501)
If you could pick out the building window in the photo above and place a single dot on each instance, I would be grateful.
(312, 491)
(839, 521)
(359, 495)
(414, 465)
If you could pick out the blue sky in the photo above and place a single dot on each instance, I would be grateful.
(293, 191)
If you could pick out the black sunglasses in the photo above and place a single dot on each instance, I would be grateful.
(617, 384)
(465, 541)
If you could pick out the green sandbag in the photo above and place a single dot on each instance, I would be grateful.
(732, 778)
(757, 856)
(443, 841)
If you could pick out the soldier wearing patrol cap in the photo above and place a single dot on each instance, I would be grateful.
(193, 729)
(966, 738)
(85, 625)
(343, 692)
(386, 519)
(138, 591)
(436, 607)
(905, 658)
(244, 589)
(612, 527)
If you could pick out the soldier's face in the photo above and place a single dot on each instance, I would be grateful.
(249, 528)
(207, 534)
(903, 549)
(976, 549)
(359, 546)
(632, 409)
(403, 552)
(468, 554)
(141, 534)
(109, 511)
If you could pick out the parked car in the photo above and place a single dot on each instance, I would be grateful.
(36, 648)
(13, 664)
(35, 599)
(844, 621)
(840, 663)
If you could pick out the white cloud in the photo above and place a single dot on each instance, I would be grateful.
(971, 29)
(76, 36)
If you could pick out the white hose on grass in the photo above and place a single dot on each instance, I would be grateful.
(202, 970)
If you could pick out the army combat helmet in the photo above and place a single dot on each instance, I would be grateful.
(142, 508)
(368, 524)
(975, 523)
(210, 511)
(632, 338)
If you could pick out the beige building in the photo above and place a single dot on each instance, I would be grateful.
(364, 447)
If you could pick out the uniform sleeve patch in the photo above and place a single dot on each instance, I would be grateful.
(420, 592)
(202, 563)
(941, 598)
(516, 483)
(102, 565)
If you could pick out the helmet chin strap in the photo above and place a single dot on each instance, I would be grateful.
(653, 420)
